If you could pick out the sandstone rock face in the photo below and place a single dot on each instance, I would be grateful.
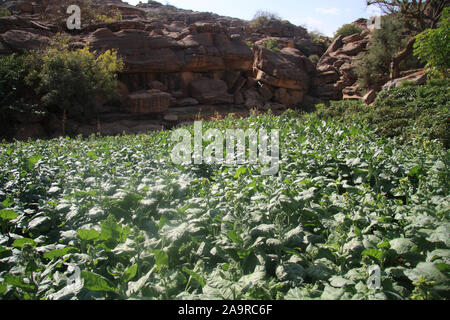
(210, 91)
(419, 78)
(335, 69)
(22, 40)
(200, 50)
(289, 97)
(286, 69)
(253, 99)
(370, 97)
(148, 102)
(179, 63)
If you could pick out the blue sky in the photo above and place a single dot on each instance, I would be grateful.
(322, 15)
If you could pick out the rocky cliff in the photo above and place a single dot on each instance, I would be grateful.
(183, 65)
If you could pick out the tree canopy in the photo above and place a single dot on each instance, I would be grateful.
(418, 14)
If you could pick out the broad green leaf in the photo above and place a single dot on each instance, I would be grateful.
(195, 276)
(234, 236)
(415, 171)
(4, 252)
(60, 252)
(88, 234)
(112, 232)
(339, 282)
(384, 245)
(30, 162)
(7, 214)
(443, 267)
(240, 172)
(7, 203)
(427, 270)
(374, 253)
(19, 283)
(19, 243)
(161, 258)
(134, 287)
(92, 155)
(95, 282)
(130, 273)
(3, 288)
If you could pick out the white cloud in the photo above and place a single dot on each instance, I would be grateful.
(333, 11)
(348, 10)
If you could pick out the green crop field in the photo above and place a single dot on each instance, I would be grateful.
(135, 225)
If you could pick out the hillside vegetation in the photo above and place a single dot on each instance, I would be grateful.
(408, 111)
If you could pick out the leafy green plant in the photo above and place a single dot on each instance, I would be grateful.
(408, 112)
(4, 12)
(347, 30)
(373, 66)
(138, 226)
(13, 71)
(271, 44)
(433, 47)
(74, 80)
(314, 58)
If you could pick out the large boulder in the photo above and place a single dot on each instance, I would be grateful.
(210, 91)
(253, 99)
(352, 48)
(20, 6)
(148, 102)
(289, 97)
(418, 78)
(285, 69)
(141, 51)
(336, 69)
(23, 40)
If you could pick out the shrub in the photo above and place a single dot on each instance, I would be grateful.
(271, 44)
(74, 80)
(433, 47)
(13, 70)
(373, 66)
(4, 12)
(347, 30)
(15, 96)
(421, 111)
(314, 58)
(407, 83)
(316, 34)
(303, 46)
(263, 19)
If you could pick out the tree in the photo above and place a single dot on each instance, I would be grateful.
(73, 81)
(433, 47)
(263, 19)
(417, 16)
(373, 65)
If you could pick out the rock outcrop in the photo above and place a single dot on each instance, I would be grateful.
(335, 76)
(181, 65)
(419, 77)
